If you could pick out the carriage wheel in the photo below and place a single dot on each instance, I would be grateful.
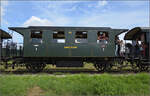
(135, 65)
(6, 65)
(102, 66)
(120, 64)
(143, 67)
(35, 67)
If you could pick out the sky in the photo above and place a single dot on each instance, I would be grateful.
(124, 14)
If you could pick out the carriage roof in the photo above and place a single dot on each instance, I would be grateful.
(60, 27)
(136, 31)
(4, 34)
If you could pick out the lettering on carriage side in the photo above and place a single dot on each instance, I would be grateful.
(70, 32)
(66, 47)
(72, 47)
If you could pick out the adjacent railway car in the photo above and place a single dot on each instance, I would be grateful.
(67, 46)
(3, 36)
(139, 54)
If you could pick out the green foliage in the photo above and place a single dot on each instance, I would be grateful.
(77, 85)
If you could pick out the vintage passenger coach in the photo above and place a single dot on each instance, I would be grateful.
(67, 46)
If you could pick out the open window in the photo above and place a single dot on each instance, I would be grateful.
(36, 36)
(81, 37)
(59, 37)
(102, 37)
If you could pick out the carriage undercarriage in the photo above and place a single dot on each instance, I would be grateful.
(100, 64)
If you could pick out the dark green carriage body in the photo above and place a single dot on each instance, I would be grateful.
(3, 51)
(68, 49)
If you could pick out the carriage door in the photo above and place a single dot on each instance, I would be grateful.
(36, 43)
(69, 41)
(103, 44)
(80, 46)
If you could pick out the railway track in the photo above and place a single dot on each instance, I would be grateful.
(59, 71)
(88, 69)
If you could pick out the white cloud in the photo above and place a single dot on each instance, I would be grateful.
(134, 3)
(35, 21)
(102, 3)
(57, 14)
(116, 19)
(2, 11)
(73, 8)
(3, 7)
(3, 20)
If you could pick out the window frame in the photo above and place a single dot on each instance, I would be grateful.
(40, 38)
(81, 38)
(55, 39)
(102, 41)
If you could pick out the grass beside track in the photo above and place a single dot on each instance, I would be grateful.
(75, 85)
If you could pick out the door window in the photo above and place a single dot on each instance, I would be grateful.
(36, 36)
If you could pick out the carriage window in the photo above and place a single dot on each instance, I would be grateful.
(59, 37)
(81, 37)
(36, 36)
(102, 37)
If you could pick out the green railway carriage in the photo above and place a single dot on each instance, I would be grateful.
(67, 46)
(141, 34)
(140, 53)
(61, 41)
(3, 36)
